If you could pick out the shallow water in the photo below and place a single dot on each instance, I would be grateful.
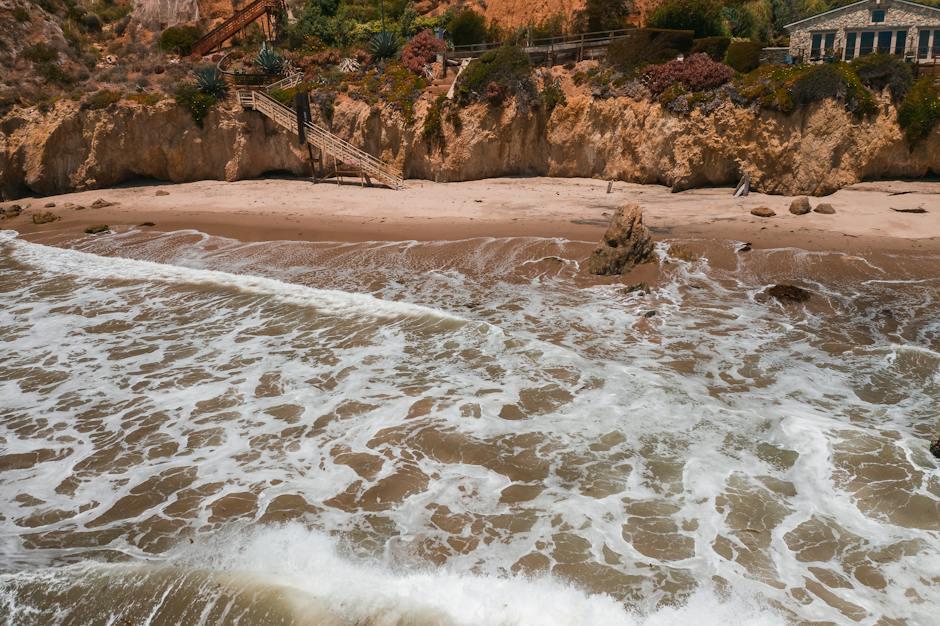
(471, 432)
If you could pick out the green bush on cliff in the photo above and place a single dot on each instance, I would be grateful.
(101, 99)
(919, 113)
(715, 47)
(702, 16)
(496, 75)
(787, 87)
(646, 46)
(467, 27)
(196, 102)
(743, 56)
(179, 39)
(433, 130)
(884, 71)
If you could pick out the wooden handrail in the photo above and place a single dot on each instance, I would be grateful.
(323, 139)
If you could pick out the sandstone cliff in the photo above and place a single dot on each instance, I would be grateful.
(813, 152)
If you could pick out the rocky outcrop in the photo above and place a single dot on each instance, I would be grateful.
(786, 294)
(815, 151)
(626, 243)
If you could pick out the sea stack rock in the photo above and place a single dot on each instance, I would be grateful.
(626, 243)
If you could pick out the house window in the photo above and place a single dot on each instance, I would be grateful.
(868, 43)
(884, 42)
(900, 42)
(936, 44)
(850, 45)
(829, 43)
(821, 43)
(878, 16)
(923, 41)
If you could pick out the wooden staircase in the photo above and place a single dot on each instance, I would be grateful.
(238, 22)
(326, 142)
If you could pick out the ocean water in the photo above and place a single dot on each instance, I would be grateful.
(194, 430)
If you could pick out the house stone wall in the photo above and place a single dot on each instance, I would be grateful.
(897, 15)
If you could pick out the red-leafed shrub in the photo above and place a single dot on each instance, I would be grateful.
(421, 50)
(698, 72)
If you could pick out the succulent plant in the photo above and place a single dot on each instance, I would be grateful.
(209, 80)
(269, 61)
(384, 45)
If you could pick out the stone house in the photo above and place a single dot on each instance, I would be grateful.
(900, 27)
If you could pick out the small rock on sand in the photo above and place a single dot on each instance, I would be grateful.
(745, 247)
(915, 210)
(800, 206)
(101, 203)
(49, 205)
(145, 224)
(762, 211)
(786, 294)
(935, 448)
(11, 211)
(98, 228)
(825, 209)
(44, 218)
(161, 192)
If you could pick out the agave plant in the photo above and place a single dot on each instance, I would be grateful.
(209, 80)
(384, 45)
(269, 61)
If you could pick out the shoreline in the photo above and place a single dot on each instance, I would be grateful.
(574, 209)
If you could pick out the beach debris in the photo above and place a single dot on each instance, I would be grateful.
(678, 251)
(919, 209)
(800, 206)
(101, 203)
(935, 448)
(745, 247)
(49, 205)
(98, 228)
(11, 211)
(145, 225)
(634, 288)
(824, 209)
(785, 294)
(44, 218)
(762, 211)
(610, 186)
(649, 314)
(744, 186)
(161, 192)
(626, 243)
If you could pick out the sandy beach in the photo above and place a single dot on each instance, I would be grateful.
(576, 209)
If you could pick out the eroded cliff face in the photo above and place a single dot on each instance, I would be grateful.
(812, 152)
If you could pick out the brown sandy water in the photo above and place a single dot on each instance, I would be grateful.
(474, 432)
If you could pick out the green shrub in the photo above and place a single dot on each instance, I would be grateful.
(704, 17)
(647, 46)
(786, 87)
(209, 80)
(881, 71)
(919, 113)
(91, 22)
(715, 47)
(494, 75)
(101, 99)
(384, 45)
(269, 61)
(197, 103)
(39, 53)
(179, 39)
(433, 130)
(467, 27)
(553, 95)
(599, 15)
(53, 73)
(20, 14)
(111, 11)
(743, 56)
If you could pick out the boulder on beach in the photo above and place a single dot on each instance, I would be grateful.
(98, 228)
(786, 294)
(935, 448)
(825, 209)
(101, 203)
(44, 218)
(763, 211)
(161, 192)
(49, 205)
(626, 243)
(800, 206)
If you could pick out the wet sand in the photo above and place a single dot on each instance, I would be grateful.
(576, 209)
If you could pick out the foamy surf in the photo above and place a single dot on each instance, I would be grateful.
(686, 454)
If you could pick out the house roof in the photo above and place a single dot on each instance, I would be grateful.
(858, 4)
